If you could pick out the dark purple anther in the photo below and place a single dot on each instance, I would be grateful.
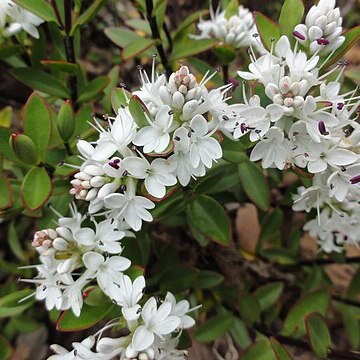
(340, 106)
(355, 180)
(243, 128)
(322, 128)
(322, 41)
(115, 164)
(298, 35)
(234, 83)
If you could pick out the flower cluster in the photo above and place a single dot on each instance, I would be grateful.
(322, 29)
(236, 31)
(13, 19)
(72, 258)
(178, 142)
(306, 124)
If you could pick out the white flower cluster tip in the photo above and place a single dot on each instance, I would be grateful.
(72, 258)
(236, 31)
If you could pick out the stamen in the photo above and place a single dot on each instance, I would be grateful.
(298, 35)
(355, 179)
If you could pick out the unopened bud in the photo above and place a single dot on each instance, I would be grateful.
(66, 121)
(24, 148)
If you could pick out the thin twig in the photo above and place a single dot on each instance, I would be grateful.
(156, 36)
(311, 262)
(225, 69)
(168, 37)
(57, 13)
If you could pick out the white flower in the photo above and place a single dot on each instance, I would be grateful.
(272, 149)
(106, 270)
(130, 207)
(127, 295)
(236, 31)
(105, 237)
(157, 174)
(122, 131)
(157, 321)
(156, 136)
(322, 28)
(204, 148)
(180, 309)
(317, 121)
(21, 19)
(181, 157)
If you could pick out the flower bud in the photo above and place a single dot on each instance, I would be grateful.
(64, 233)
(66, 121)
(60, 244)
(189, 109)
(178, 100)
(24, 148)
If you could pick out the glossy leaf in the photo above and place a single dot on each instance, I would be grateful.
(36, 188)
(240, 333)
(10, 50)
(209, 218)
(261, 350)
(249, 308)
(318, 334)
(90, 315)
(41, 81)
(93, 88)
(291, 15)
(61, 65)
(215, 327)
(121, 36)
(189, 47)
(5, 348)
(317, 301)
(280, 351)
(10, 305)
(119, 97)
(178, 278)
(6, 197)
(254, 184)
(208, 279)
(37, 123)
(267, 295)
(137, 109)
(136, 48)
(40, 8)
(267, 28)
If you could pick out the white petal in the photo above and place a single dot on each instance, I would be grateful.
(142, 338)
(93, 260)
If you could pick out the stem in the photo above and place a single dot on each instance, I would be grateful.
(225, 69)
(332, 353)
(156, 36)
(70, 52)
(57, 13)
(168, 36)
(346, 301)
(311, 262)
(68, 148)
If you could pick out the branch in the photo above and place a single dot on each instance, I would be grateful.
(311, 262)
(156, 36)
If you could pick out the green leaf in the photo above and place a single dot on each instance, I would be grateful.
(267, 295)
(5, 348)
(113, 76)
(119, 97)
(215, 327)
(136, 48)
(90, 315)
(61, 65)
(249, 308)
(14, 242)
(209, 218)
(208, 279)
(291, 15)
(169, 206)
(93, 88)
(271, 225)
(65, 121)
(267, 28)
(318, 334)
(10, 50)
(351, 37)
(280, 351)
(121, 36)
(317, 301)
(41, 81)
(189, 47)
(351, 324)
(178, 278)
(5, 116)
(232, 8)
(186, 23)
(240, 333)
(261, 350)
(36, 188)
(354, 75)
(137, 109)
(234, 151)
(6, 198)
(37, 123)
(87, 15)
(10, 305)
(254, 184)
(41, 8)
